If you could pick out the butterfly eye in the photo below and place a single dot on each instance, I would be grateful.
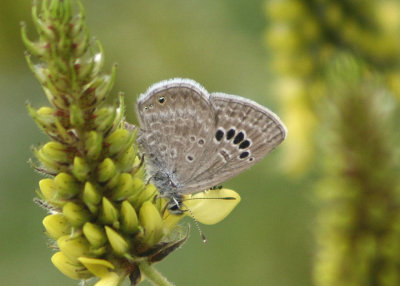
(174, 207)
(145, 108)
(161, 99)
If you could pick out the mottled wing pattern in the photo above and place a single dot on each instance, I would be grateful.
(176, 125)
(244, 132)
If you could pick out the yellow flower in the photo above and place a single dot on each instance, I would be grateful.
(101, 268)
(211, 207)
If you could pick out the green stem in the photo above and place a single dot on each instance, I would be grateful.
(155, 277)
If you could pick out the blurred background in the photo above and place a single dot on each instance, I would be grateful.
(274, 52)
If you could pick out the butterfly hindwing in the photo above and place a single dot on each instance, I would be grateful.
(244, 132)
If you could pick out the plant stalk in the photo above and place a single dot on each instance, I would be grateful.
(155, 277)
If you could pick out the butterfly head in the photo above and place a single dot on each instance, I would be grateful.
(174, 205)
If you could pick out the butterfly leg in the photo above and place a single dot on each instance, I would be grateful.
(129, 127)
(216, 188)
(141, 161)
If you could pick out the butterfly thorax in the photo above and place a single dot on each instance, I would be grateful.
(165, 183)
(169, 189)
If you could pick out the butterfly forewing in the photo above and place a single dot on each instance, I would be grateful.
(176, 124)
(244, 133)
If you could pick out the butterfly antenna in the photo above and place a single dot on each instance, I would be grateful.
(203, 237)
(221, 198)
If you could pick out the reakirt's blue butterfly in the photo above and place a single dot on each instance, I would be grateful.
(193, 140)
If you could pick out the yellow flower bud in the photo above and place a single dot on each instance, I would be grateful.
(138, 184)
(93, 144)
(44, 117)
(99, 251)
(45, 120)
(99, 267)
(80, 169)
(48, 189)
(129, 219)
(94, 234)
(76, 214)
(62, 132)
(105, 85)
(73, 247)
(91, 195)
(124, 188)
(109, 214)
(104, 118)
(67, 186)
(127, 159)
(84, 68)
(46, 111)
(151, 221)
(119, 141)
(113, 182)
(110, 279)
(57, 151)
(76, 117)
(52, 155)
(68, 268)
(144, 195)
(117, 242)
(56, 225)
(49, 90)
(106, 170)
(94, 209)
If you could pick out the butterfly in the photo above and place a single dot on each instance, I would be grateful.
(193, 140)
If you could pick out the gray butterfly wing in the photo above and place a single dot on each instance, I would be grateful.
(176, 124)
(244, 132)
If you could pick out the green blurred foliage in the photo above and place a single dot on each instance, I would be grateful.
(267, 240)
(358, 231)
(337, 67)
(304, 37)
